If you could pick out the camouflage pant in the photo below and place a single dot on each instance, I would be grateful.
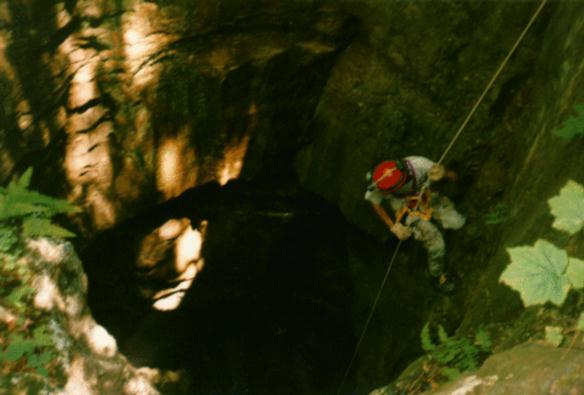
(446, 215)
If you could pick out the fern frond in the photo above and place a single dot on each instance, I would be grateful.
(442, 335)
(7, 239)
(34, 227)
(483, 340)
(426, 340)
(451, 373)
(18, 202)
(24, 181)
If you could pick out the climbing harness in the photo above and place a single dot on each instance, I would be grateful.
(425, 187)
(416, 206)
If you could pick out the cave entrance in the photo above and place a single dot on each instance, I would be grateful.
(267, 313)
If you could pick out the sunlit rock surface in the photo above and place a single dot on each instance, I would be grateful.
(526, 369)
(50, 342)
(128, 103)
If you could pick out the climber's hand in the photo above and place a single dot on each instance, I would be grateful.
(400, 231)
(436, 173)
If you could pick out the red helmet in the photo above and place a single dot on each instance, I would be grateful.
(390, 175)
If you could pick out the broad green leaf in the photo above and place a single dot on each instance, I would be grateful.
(574, 125)
(575, 272)
(568, 208)
(580, 324)
(538, 273)
(553, 335)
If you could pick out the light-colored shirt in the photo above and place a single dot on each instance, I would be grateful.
(419, 167)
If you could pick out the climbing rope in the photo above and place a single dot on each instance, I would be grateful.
(425, 186)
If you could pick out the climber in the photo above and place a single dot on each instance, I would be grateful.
(401, 182)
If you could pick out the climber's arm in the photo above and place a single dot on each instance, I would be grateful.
(399, 230)
(383, 215)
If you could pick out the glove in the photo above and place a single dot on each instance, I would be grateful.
(436, 173)
(400, 231)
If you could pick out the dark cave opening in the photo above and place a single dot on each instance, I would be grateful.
(270, 313)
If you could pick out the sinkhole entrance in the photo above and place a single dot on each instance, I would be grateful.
(246, 288)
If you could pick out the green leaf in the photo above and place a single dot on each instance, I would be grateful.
(568, 208)
(451, 373)
(34, 227)
(575, 272)
(42, 336)
(553, 335)
(18, 295)
(483, 340)
(17, 201)
(442, 335)
(498, 215)
(574, 125)
(580, 324)
(24, 181)
(7, 239)
(17, 347)
(39, 361)
(538, 273)
(425, 338)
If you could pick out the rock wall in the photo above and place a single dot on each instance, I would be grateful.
(527, 165)
(403, 87)
(122, 104)
(51, 344)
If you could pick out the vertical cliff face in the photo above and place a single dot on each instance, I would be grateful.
(123, 105)
(127, 103)
(523, 147)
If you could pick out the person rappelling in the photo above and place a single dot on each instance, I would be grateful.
(404, 184)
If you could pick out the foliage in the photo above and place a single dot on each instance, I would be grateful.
(553, 335)
(7, 239)
(568, 208)
(574, 125)
(580, 324)
(29, 211)
(543, 272)
(25, 213)
(539, 273)
(27, 346)
(498, 215)
(575, 272)
(34, 349)
(455, 354)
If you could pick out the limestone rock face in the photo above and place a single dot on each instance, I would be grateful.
(50, 342)
(526, 369)
(128, 103)
(120, 105)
